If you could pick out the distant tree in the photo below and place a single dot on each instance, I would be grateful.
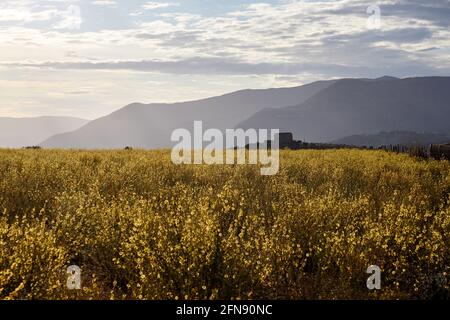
(33, 148)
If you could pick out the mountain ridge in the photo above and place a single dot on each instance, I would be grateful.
(355, 106)
(150, 125)
(322, 111)
(405, 138)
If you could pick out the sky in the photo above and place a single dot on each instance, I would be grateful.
(88, 58)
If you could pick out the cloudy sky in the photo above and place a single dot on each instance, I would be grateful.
(87, 58)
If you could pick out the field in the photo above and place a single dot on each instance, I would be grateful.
(140, 227)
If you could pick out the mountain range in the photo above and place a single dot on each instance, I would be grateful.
(405, 138)
(361, 106)
(323, 111)
(150, 125)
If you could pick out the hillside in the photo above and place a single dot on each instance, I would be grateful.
(150, 125)
(318, 112)
(406, 138)
(358, 106)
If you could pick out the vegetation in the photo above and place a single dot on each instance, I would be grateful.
(142, 228)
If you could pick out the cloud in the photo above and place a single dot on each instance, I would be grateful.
(105, 3)
(436, 12)
(398, 36)
(26, 12)
(158, 5)
(151, 5)
(260, 38)
(19, 14)
(71, 18)
(230, 66)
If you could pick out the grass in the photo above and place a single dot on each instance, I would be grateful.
(142, 228)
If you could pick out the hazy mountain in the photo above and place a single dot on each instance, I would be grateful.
(407, 138)
(319, 112)
(362, 106)
(150, 125)
(22, 132)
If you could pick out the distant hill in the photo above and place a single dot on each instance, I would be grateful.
(322, 111)
(361, 106)
(22, 132)
(150, 125)
(406, 138)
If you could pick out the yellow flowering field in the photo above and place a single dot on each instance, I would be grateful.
(140, 227)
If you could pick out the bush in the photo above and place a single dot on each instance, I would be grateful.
(142, 228)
